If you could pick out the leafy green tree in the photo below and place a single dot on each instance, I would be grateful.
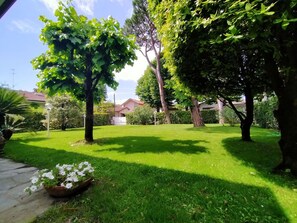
(187, 99)
(261, 27)
(142, 26)
(82, 55)
(215, 69)
(147, 87)
(65, 112)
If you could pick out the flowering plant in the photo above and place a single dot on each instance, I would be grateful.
(66, 175)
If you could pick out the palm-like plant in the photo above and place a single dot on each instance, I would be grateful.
(11, 103)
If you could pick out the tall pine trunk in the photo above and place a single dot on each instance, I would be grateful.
(89, 102)
(162, 91)
(196, 114)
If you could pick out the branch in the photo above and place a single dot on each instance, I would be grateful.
(148, 59)
(240, 114)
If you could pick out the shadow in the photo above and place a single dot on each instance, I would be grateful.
(216, 129)
(126, 192)
(144, 144)
(263, 154)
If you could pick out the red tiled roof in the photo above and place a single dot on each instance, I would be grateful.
(33, 96)
(134, 100)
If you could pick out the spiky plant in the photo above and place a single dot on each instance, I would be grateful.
(11, 102)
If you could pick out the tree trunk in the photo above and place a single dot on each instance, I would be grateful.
(286, 114)
(246, 123)
(221, 109)
(196, 114)
(162, 92)
(89, 103)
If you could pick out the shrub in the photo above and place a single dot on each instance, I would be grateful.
(161, 118)
(264, 113)
(33, 121)
(210, 116)
(143, 115)
(102, 119)
(180, 117)
(66, 113)
(230, 117)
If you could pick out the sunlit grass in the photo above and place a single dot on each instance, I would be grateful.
(168, 173)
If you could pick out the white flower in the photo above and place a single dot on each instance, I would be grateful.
(68, 185)
(34, 180)
(62, 172)
(49, 175)
(81, 174)
(33, 188)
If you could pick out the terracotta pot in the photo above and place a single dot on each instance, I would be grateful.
(2, 144)
(59, 191)
(7, 133)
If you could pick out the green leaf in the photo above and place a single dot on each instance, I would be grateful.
(248, 6)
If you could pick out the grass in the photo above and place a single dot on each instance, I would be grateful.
(167, 173)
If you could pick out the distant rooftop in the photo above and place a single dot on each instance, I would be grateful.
(33, 96)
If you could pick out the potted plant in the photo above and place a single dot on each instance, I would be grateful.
(63, 180)
(2, 143)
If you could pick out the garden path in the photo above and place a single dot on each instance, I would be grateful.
(16, 206)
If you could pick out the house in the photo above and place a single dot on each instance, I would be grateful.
(127, 106)
(33, 97)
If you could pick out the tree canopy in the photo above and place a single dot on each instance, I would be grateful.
(142, 26)
(204, 40)
(82, 55)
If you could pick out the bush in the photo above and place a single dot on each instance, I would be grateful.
(102, 119)
(180, 117)
(160, 116)
(264, 113)
(33, 121)
(230, 117)
(143, 115)
(210, 116)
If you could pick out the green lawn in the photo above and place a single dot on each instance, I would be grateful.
(167, 173)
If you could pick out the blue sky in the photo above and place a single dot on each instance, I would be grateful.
(20, 30)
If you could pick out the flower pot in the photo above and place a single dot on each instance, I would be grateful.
(2, 144)
(7, 133)
(60, 191)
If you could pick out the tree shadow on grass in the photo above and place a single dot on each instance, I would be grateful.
(150, 144)
(127, 192)
(263, 154)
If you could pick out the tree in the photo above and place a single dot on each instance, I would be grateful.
(147, 87)
(142, 26)
(265, 27)
(215, 68)
(82, 55)
(187, 99)
(65, 112)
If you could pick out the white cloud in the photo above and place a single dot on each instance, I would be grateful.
(121, 2)
(85, 6)
(136, 71)
(25, 26)
(51, 5)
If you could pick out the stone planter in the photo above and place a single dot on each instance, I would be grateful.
(59, 191)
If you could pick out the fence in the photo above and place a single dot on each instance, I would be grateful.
(119, 120)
